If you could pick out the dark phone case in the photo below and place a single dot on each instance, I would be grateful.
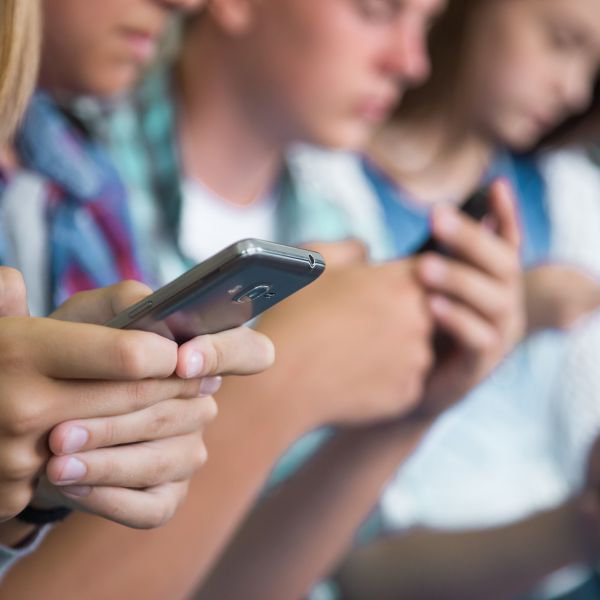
(477, 206)
(225, 291)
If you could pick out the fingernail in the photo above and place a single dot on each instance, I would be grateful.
(210, 385)
(433, 269)
(446, 221)
(195, 364)
(73, 471)
(75, 440)
(79, 491)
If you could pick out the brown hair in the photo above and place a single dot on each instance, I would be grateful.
(19, 55)
(448, 44)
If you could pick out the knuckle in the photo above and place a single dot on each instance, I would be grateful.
(161, 424)
(512, 269)
(162, 469)
(263, 350)
(107, 435)
(16, 355)
(501, 308)
(19, 465)
(131, 355)
(130, 288)
(487, 343)
(22, 416)
(138, 393)
(19, 497)
(201, 455)
(162, 510)
(424, 359)
(191, 388)
(209, 410)
(216, 358)
(12, 287)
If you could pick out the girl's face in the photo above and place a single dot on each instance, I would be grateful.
(100, 46)
(530, 65)
(329, 71)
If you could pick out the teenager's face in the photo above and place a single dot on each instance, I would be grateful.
(100, 46)
(533, 63)
(329, 71)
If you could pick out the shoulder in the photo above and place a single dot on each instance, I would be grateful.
(338, 179)
(573, 197)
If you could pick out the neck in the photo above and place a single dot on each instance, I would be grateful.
(219, 142)
(433, 159)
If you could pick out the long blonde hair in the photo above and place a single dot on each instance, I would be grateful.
(19, 57)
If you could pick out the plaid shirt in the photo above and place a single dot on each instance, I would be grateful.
(89, 242)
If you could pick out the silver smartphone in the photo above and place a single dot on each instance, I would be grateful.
(225, 291)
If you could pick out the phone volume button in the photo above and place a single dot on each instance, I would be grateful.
(140, 309)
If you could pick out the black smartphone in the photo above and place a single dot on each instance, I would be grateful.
(225, 291)
(477, 206)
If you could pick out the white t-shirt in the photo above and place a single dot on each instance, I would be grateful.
(210, 223)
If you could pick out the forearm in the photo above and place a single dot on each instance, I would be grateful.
(251, 432)
(298, 534)
(496, 564)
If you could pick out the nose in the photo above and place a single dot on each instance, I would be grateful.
(406, 55)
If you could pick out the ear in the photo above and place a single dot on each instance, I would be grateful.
(233, 16)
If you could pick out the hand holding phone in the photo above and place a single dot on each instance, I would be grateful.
(475, 295)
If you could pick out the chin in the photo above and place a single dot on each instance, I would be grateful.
(114, 82)
(349, 138)
(520, 139)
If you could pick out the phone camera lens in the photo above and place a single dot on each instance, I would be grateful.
(254, 293)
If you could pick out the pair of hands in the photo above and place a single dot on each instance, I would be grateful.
(356, 347)
(106, 421)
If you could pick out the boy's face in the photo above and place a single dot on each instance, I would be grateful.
(99, 47)
(330, 71)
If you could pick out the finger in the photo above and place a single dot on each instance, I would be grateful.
(169, 418)
(341, 254)
(78, 351)
(101, 305)
(466, 328)
(504, 208)
(133, 466)
(464, 284)
(140, 509)
(96, 399)
(13, 294)
(14, 497)
(474, 243)
(240, 351)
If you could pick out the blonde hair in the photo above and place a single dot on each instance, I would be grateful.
(19, 57)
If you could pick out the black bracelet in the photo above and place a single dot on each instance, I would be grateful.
(39, 516)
